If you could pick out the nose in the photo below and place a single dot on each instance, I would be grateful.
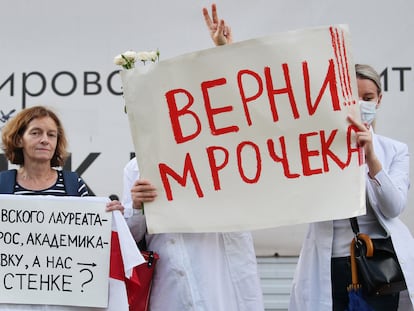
(44, 139)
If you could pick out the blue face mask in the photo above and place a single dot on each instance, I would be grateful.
(368, 111)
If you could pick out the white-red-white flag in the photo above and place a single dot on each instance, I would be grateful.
(125, 255)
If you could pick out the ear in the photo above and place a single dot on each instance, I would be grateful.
(19, 142)
(379, 101)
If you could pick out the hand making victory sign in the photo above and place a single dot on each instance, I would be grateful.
(220, 32)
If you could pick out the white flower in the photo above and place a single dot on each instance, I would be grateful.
(118, 60)
(130, 55)
(143, 56)
(153, 55)
(127, 59)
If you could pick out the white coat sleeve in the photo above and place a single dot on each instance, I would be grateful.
(390, 186)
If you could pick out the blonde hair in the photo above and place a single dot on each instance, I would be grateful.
(367, 72)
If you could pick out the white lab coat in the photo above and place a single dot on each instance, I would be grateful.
(311, 289)
(200, 271)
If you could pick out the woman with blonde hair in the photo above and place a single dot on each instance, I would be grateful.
(323, 272)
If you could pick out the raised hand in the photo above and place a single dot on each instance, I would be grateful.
(220, 33)
(364, 140)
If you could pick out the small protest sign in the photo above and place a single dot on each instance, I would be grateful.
(54, 250)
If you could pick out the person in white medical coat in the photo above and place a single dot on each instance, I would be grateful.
(196, 271)
(323, 271)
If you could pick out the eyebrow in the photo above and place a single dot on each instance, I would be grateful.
(40, 129)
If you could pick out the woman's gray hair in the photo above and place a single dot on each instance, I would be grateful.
(367, 72)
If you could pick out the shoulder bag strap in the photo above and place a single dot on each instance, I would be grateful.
(7, 181)
(354, 225)
(70, 179)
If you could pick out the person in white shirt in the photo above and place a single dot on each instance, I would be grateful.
(196, 271)
(323, 271)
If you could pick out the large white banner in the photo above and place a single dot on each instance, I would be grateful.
(249, 136)
(54, 250)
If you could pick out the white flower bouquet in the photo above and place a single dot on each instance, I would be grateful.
(128, 59)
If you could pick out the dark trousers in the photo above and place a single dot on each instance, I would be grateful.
(341, 278)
